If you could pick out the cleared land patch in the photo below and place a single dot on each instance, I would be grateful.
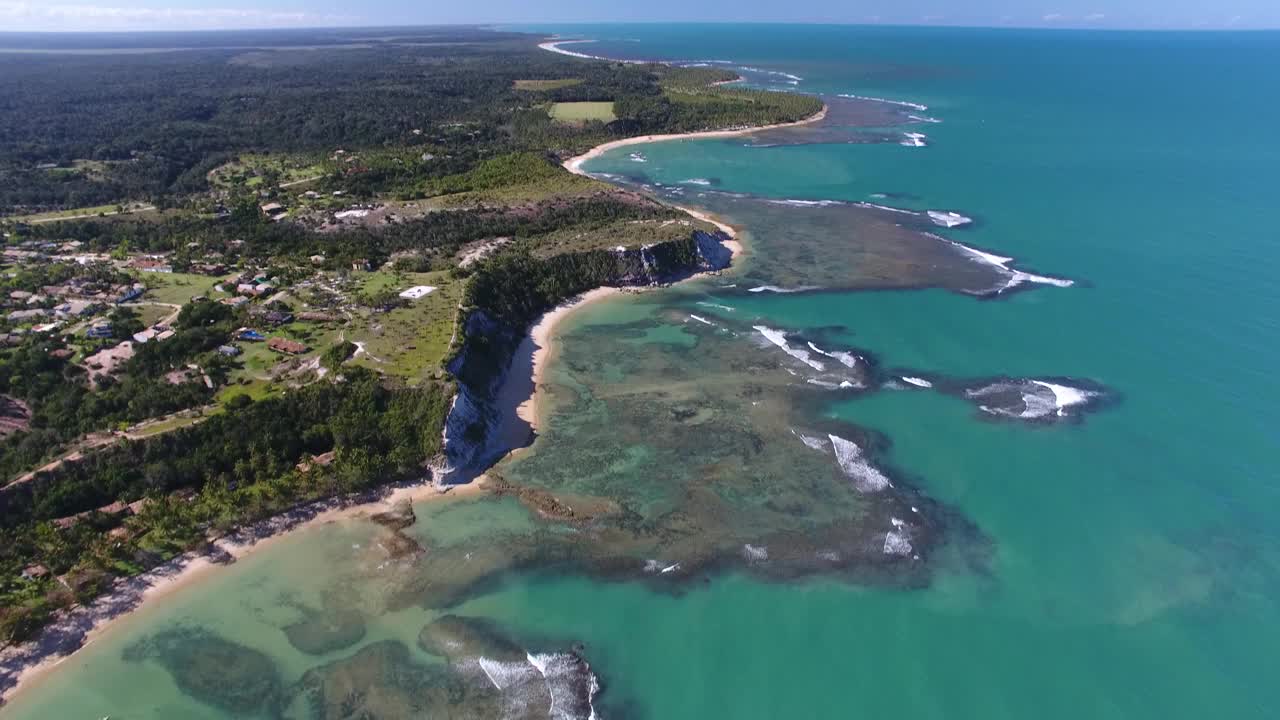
(580, 112)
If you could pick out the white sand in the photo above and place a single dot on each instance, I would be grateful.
(574, 164)
(538, 346)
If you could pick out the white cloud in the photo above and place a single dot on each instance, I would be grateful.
(22, 15)
(1054, 17)
(1094, 17)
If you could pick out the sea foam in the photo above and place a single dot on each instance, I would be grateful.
(865, 477)
(779, 338)
(948, 219)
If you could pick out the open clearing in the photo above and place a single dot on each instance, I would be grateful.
(579, 112)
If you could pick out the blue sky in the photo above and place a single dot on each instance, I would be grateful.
(103, 15)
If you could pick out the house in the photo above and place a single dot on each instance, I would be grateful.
(314, 316)
(361, 264)
(274, 210)
(228, 350)
(100, 331)
(234, 302)
(255, 289)
(249, 335)
(132, 293)
(285, 346)
(21, 316)
(275, 317)
(75, 308)
(148, 264)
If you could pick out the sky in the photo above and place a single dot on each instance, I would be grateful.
(131, 15)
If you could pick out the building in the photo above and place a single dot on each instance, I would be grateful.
(285, 346)
(274, 210)
(148, 264)
(234, 302)
(249, 335)
(228, 350)
(75, 308)
(132, 293)
(21, 316)
(100, 331)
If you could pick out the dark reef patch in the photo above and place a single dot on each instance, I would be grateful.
(485, 675)
(327, 629)
(213, 670)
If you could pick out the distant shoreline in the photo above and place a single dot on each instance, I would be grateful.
(574, 164)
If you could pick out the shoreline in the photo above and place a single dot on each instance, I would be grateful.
(537, 345)
(574, 164)
(75, 628)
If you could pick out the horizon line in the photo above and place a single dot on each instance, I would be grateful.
(507, 25)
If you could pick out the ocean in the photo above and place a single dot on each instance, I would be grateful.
(868, 471)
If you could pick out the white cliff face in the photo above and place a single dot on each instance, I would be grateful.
(711, 250)
(459, 451)
(473, 429)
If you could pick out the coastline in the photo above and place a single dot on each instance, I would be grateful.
(25, 664)
(574, 164)
(537, 345)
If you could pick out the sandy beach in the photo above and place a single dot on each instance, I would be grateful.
(574, 164)
(23, 665)
(537, 346)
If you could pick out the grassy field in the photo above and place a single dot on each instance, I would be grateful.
(254, 171)
(410, 341)
(580, 112)
(541, 85)
(623, 233)
(178, 288)
(151, 314)
(117, 209)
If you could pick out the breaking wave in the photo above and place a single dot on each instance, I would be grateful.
(914, 139)
(865, 477)
(948, 219)
(779, 338)
(900, 103)
(1030, 399)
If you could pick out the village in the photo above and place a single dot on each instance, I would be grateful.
(97, 310)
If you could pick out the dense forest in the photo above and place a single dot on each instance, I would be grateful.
(85, 130)
(208, 477)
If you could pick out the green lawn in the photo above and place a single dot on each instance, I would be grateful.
(115, 209)
(411, 341)
(178, 288)
(579, 112)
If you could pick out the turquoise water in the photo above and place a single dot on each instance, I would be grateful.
(1122, 564)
